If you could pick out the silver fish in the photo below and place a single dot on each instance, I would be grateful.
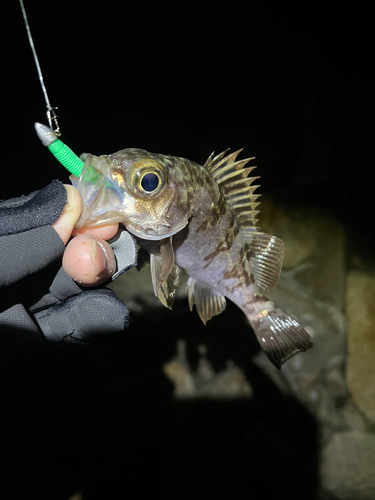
(201, 219)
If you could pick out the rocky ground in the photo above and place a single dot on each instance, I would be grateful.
(309, 426)
(209, 414)
(332, 291)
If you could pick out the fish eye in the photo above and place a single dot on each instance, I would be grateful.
(150, 182)
(147, 177)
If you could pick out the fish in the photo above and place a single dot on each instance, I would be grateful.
(201, 219)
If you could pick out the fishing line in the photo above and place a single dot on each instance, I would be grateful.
(49, 136)
(51, 115)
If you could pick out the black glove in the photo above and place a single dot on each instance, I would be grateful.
(30, 255)
(50, 382)
(28, 243)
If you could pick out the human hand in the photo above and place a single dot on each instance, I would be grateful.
(88, 258)
(34, 230)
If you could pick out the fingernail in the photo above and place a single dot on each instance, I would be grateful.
(107, 260)
(72, 199)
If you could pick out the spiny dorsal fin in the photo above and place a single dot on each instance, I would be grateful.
(266, 251)
(233, 180)
(217, 158)
(207, 301)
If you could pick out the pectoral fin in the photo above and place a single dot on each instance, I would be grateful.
(165, 274)
(266, 256)
(167, 258)
(207, 301)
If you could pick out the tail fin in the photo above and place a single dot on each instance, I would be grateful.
(280, 336)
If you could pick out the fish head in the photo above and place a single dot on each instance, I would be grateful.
(147, 192)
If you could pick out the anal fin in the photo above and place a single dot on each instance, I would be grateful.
(207, 301)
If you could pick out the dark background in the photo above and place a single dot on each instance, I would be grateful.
(291, 86)
(288, 83)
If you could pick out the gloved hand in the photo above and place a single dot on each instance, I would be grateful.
(51, 371)
(32, 237)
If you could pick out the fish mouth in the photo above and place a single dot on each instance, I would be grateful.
(154, 235)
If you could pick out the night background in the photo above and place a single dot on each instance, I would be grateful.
(289, 84)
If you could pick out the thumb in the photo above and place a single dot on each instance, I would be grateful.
(72, 210)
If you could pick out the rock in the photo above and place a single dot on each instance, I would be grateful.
(316, 377)
(353, 418)
(360, 367)
(135, 289)
(313, 291)
(314, 243)
(76, 496)
(348, 466)
(291, 226)
(178, 372)
(230, 383)
(179, 375)
(204, 381)
(325, 324)
(335, 382)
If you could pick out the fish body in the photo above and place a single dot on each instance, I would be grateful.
(201, 219)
